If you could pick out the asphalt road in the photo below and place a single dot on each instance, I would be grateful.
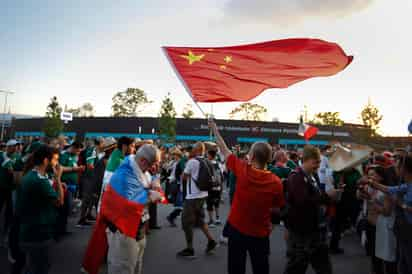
(160, 254)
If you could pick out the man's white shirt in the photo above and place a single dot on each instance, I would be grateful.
(192, 170)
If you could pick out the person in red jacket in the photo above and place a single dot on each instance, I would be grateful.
(258, 192)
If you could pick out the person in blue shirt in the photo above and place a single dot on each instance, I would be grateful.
(403, 224)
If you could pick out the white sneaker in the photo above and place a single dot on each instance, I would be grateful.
(223, 240)
(10, 257)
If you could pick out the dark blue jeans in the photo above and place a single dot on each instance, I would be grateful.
(303, 250)
(240, 245)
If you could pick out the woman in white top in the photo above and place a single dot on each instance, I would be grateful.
(385, 245)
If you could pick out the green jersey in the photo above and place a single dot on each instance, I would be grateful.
(116, 158)
(7, 163)
(36, 208)
(281, 171)
(68, 159)
(91, 159)
(291, 164)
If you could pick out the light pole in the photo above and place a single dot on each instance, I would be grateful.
(6, 94)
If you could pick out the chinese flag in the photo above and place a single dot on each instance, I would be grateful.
(240, 73)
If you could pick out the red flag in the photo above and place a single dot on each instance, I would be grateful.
(241, 73)
(307, 131)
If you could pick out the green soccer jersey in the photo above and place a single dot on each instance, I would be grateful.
(69, 160)
(7, 163)
(281, 171)
(291, 164)
(36, 208)
(116, 158)
(19, 163)
(91, 159)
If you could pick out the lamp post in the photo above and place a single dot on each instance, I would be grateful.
(6, 94)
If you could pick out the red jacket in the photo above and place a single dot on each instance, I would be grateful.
(257, 193)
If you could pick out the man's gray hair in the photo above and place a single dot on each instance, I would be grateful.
(148, 152)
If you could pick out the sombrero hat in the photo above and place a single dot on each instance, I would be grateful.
(109, 143)
(349, 156)
(176, 151)
(210, 146)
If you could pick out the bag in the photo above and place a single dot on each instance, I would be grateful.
(206, 178)
(218, 182)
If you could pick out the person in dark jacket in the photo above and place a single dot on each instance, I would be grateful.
(306, 241)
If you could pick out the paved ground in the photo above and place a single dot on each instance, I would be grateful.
(160, 255)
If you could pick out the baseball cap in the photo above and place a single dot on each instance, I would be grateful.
(12, 142)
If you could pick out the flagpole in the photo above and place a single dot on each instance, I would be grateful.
(211, 117)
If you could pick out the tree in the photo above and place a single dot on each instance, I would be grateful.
(249, 111)
(328, 119)
(371, 118)
(85, 110)
(167, 120)
(53, 124)
(188, 112)
(129, 103)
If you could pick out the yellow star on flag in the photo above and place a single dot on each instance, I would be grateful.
(222, 67)
(191, 57)
(228, 59)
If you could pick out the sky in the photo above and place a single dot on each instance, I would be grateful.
(87, 50)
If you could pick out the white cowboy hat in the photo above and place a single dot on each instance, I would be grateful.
(349, 156)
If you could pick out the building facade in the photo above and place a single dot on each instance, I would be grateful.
(189, 130)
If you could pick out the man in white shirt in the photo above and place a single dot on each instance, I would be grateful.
(193, 211)
(325, 173)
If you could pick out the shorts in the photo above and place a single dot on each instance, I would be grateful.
(193, 213)
(213, 199)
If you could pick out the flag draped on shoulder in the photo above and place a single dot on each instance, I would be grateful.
(122, 205)
(240, 73)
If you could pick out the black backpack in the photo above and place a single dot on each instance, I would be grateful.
(206, 179)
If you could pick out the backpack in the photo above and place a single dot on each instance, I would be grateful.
(206, 179)
(218, 182)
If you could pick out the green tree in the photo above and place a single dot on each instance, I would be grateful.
(53, 124)
(129, 103)
(327, 119)
(188, 112)
(371, 118)
(85, 110)
(167, 120)
(249, 111)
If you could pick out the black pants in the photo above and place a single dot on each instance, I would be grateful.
(6, 202)
(346, 213)
(175, 213)
(63, 213)
(405, 256)
(153, 215)
(376, 264)
(303, 250)
(14, 246)
(240, 245)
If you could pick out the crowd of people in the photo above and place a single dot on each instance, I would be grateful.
(43, 182)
